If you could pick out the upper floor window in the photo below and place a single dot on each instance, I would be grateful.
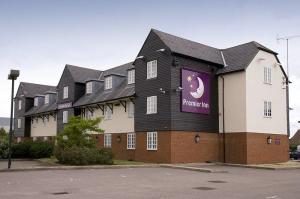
(20, 104)
(108, 82)
(151, 69)
(152, 105)
(47, 99)
(89, 87)
(267, 108)
(267, 75)
(19, 123)
(131, 76)
(36, 101)
(107, 113)
(107, 140)
(130, 109)
(66, 92)
(65, 117)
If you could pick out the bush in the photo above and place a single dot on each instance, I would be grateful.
(83, 156)
(76, 147)
(32, 149)
(3, 146)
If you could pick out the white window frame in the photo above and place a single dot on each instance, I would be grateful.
(89, 87)
(131, 76)
(268, 109)
(108, 82)
(267, 75)
(65, 117)
(152, 69)
(36, 101)
(47, 99)
(107, 113)
(107, 140)
(130, 108)
(66, 92)
(131, 140)
(20, 104)
(19, 123)
(152, 141)
(152, 105)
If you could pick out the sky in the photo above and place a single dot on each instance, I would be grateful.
(39, 37)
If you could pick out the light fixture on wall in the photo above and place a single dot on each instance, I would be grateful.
(178, 89)
(161, 50)
(140, 57)
(162, 90)
(197, 138)
(269, 140)
(119, 138)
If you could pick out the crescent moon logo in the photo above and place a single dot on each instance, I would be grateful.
(200, 90)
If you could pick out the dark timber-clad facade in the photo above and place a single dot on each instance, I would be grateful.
(152, 112)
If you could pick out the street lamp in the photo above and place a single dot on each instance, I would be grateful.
(14, 74)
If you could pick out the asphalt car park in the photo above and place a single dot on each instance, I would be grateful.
(151, 183)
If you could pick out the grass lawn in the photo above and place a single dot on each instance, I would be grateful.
(54, 162)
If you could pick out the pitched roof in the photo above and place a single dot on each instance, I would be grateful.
(121, 91)
(296, 138)
(81, 74)
(31, 89)
(45, 108)
(190, 48)
(237, 58)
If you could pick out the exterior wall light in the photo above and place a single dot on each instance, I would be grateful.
(119, 138)
(197, 138)
(269, 140)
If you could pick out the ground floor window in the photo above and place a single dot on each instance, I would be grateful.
(131, 141)
(267, 109)
(107, 140)
(19, 123)
(151, 140)
(65, 117)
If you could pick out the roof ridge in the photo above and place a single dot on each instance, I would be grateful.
(37, 84)
(81, 67)
(159, 31)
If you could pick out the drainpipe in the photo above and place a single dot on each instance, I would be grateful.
(288, 106)
(223, 118)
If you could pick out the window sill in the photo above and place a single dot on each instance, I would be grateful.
(130, 148)
(268, 117)
(267, 83)
(151, 149)
(151, 78)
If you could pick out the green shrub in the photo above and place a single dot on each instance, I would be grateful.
(83, 156)
(32, 149)
(76, 147)
(3, 146)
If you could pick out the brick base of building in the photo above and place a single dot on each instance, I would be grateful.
(180, 147)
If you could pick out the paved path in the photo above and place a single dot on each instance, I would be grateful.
(17, 164)
(151, 183)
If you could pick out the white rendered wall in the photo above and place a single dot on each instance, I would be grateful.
(41, 129)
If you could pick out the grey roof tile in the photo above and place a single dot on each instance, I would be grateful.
(31, 89)
(81, 74)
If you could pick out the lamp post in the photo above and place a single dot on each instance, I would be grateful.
(14, 74)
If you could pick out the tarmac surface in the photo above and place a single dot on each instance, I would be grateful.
(246, 183)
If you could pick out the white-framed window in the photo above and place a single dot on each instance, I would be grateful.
(108, 82)
(107, 140)
(130, 109)
(107, 113)
(66, 92)
(47, 99)
(151, 69)
(65, 117)
(36, 101)
(19, 123)
(152, 105)
(151, 140)
(267, 75)
(89, 87)
(267, 109)
(131, 76)
(20, 104)
(88, 114)
(130, 140)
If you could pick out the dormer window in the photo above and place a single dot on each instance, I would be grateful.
(89, 87)
(47, 99)
(131, 77)
(108, 82)
(36, 101)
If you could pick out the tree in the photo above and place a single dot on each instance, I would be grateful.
(2, 132)
(77, 133)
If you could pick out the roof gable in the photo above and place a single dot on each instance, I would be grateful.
(31, 89)
(80, 74)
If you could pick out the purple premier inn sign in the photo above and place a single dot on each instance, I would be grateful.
(195, 91)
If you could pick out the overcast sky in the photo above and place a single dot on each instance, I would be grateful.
(40, 37)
